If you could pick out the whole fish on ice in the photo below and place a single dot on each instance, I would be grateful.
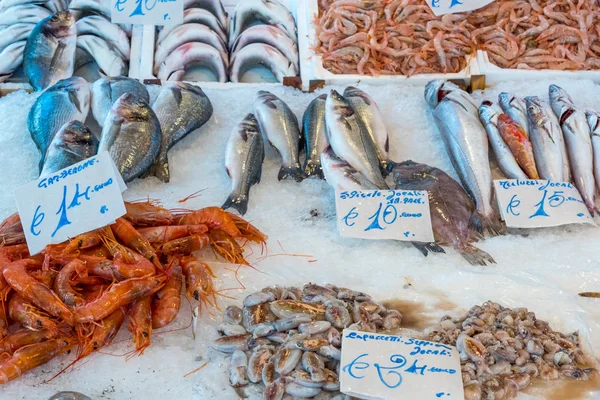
(515, 107)
(195, 16)
(271, 35)
(106, 91)
(260, 54)
(594, 122)
(514, 136)
(270, 12)
(191, 55)
(341, 176)
(314, 134)
(73, 143)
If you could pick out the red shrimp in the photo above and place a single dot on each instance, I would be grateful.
(62, 284)
(167, 300)
(161, 234)
(29, 316)
(46, 277)
(83, 241)
(213, 217)
(103, 333)
(140, 323)
(11, 231)
(198, 280)
(247, 230)
(148, 213)
(3, 324)
(186, 245)
(226, 246)
(129, 264)
(125, 232)
(23, 338)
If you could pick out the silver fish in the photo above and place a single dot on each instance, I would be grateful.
(181, 108)
(73, 143)
(594, 122)
(370, 114)
(315, 136)
(49, 54)
(437, 89)
(14, 33)
(11, 58)
(132, 135)
(24, 13)
(271, 35)
(83, 8)
(488, 114)
(244, 156)
(261, 54)
(341, 176)
(110, 62)
(195, 16)
(215, 7)
(69, 396)
(456, 117)
(270, 12)
(280, 126)
(188, 33)
(515, 108)
(190, 55)
(350, 140)
(106, 91)
(100, 26)
(577, 136)
(66, 101)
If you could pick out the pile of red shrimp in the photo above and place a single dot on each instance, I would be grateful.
(82, 292)
(404, 37)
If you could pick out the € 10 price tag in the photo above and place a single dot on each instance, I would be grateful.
(147, 12)
(72, 201)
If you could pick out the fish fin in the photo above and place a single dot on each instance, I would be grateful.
(595, 295)
(313, 168)
(160, 169)
(73, 99)
(476, 256)
(425, 248)
(294, 172)
(57, 55)
(177, 95)
(237, 201)
(483, 224)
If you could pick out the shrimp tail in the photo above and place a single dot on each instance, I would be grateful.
(489, 224)
(476, 256)
(238, 201)
(247, 230)
(425, 248)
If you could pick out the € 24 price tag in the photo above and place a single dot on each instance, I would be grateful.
(385, 214)
(147, 12)
(441, 7)
(539, 203)
(386, 367)
(72, 201)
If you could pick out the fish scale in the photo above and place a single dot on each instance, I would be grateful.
(315, 136)
(105, 91)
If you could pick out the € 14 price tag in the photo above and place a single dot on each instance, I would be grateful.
(384, 214)
(147, 12)
(441, 7)
(72, 201)
(386, 367)
(539, 203)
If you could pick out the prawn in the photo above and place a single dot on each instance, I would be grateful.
(167, 300)
(186, 245)
(45, 277)
(160, 234)
(83, 241)
(247, 230)
(125, 232)
(23, 338)
(148, 213)
(11, 231)
(140, 323)
(129, 264)
(213, 217)
(226, 246)
(3, 325)
(62, 284)
(198, 280)
(103, 333)
(30, 317)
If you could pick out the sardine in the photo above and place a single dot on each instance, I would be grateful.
(519, 144)
(24, 13)
(84, 8)
(132, 135)
(106, 91)
(188, 33)
(181, 108)
(350, 140)
(594, 122)
(73, 143)
(515, 108)
(66, 101)
(11, 58)
(113, 34)
(195, 16)
(14, 33)
(271, 35)
(69, 396)
(110, 62)
(244, 156)
(488, 114)
(315, 136)
(280, 126)
(456, 116)
(451, 209)
(270, 12)
(49, 54)
(261, 54)
(578, 138)
(191, 55)
(215, 7)
(341, 176)
(371, 116)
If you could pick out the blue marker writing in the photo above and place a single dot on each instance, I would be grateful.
(37, 220)
(455, 3)
(512, 205)
(396, 359)
(540, 211)
(356, 364)
(350, 216)
(63, 220)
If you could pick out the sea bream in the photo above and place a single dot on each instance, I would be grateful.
(244, 157)
(280, 126)
(350, 140)
(49, 54)
(66, 101)
(594, 122)
(515, 138)
(106, 91)
(577, 136)
(191, 55)
(260, 54)
(195, 16)
(270, 12)
(271, 35)
(73, 143)
(456, 116)
(314, 135)
(341, 176)
(515, 107)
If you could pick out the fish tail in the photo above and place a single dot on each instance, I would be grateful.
(425, 248)
(236, 201)
(313, 168)
(476, 256)
(489, 224)
(291, 171)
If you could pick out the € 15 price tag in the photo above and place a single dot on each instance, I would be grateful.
(384, 214)
(441, 7)
(538, 203)
(72, 201)
(147, 12)
(390, 367)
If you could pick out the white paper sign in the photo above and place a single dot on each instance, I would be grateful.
(75, 200)
(384, 214)
(385, 367)
(538, 203)
(441, 7)
(147, 12)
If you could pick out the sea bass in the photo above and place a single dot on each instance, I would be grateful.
(270, 12)
(243, 161)
(280, 126)
(515, 108)
(451, 209)
(49, 54)
(131, 135)
(260, 54)
(514, 136)
(106, 91)
(190, 55)
(594, 122)
(315, 136)
(577, 135)
(66, 101)
(73, 143)
(341, 176)
(181, 108)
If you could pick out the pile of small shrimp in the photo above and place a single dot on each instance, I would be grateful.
(404, 37)
(81, 292)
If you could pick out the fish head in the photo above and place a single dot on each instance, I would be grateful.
(337, 105)
(558, 94)
(60, 25)
(352, 91)
(409, 170)
(488, 113)
(535, 109)
(130, 107)
(436, 90)
(504, 99)
(266, 98)
(248, 127)
(78, 90)
(76, 132)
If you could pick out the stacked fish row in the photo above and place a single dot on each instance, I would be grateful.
(289, 339)
(137, 136)
(261, 33)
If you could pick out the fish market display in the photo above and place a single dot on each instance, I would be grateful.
(270, 12)
(342, 176)
(289, 339)
(79, 293)
(189, 55)
(73, 143)
(519, 144)
(196, 16)
(106, 91)
(256, 54)
(314, 134)
(515, 108)
(503, 351)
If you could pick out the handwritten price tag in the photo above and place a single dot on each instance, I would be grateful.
(147, 12)
(384, 214)
(75, 200)
(441, 7)
(540, 203)
(397, 367)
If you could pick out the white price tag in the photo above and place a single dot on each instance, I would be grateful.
(385, 367)
(384, 214)
(75, 200)
(540, 203)
(441, 7)
(147, 12)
